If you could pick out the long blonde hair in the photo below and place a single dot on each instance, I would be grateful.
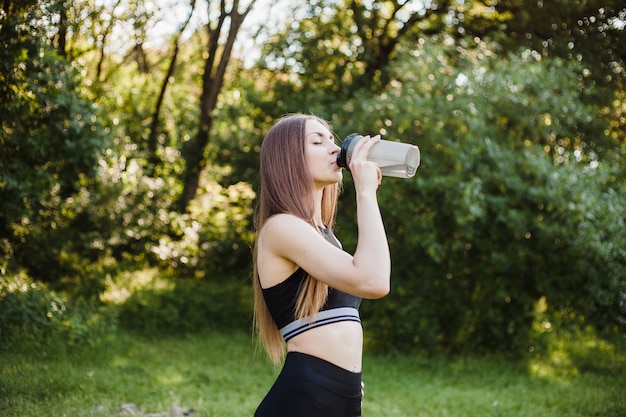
(287, 187)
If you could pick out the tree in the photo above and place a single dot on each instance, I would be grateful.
(218, 55)
(590, 32)
(520, 144)
(50, 143)
(155, 125)
(496, 220)
(340, 48)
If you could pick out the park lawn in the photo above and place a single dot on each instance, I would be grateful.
(223, 375)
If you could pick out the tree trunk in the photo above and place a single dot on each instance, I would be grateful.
(105, 34)
(155, 124)
(212, 81)
(62, 35)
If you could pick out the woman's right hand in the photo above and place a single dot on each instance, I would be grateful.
(366, 174)
(372, 250)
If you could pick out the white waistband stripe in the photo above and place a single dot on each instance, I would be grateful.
(321, 318)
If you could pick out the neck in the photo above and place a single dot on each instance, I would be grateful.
(318, 208)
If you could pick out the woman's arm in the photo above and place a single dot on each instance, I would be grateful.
(295, 242)
(367, 273)
(372, 251)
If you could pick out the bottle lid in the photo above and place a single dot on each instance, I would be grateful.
(342, 157)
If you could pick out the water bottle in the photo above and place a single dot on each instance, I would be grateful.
(395, 159)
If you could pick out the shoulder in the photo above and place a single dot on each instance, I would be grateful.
(286, 232)
(281, 242)
(285, 223)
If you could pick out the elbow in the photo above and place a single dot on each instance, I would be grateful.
(379, 290)
(382, 292)
(375, 295)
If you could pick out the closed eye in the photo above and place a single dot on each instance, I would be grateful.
(322, 139)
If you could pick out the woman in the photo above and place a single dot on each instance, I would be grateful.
(307, 290)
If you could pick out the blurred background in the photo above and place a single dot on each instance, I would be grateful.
(129, 157)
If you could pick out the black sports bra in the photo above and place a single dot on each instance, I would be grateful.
(281, 302)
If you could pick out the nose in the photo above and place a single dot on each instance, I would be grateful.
(334, 149)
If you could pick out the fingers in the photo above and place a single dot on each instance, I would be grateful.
(362, 149)
(366, 174)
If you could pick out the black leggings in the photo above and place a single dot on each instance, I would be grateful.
(311, 387)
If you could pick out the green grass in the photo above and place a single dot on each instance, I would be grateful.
(222, 375)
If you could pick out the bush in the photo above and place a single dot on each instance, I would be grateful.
(190, 305)
(514, 203)
(35, 319)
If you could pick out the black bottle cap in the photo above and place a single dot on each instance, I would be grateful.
(342, 157)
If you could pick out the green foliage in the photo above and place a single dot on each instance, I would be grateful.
(51, 137)
(590, 33)
(511, 204)
(38, 321)
(136, 202)
(511, 227)
(188, 305)
(50, 144)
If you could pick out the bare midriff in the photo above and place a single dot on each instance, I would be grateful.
(338, 343)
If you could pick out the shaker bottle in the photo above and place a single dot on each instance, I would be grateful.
(395, 159)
